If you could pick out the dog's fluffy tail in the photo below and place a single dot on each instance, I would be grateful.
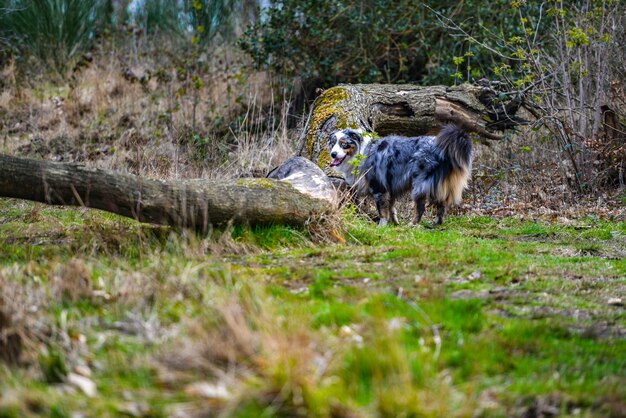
(456, 146)
(457, 151)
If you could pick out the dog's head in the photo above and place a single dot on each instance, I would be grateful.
(343, 145)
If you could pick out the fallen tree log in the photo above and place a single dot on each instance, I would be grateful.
(187, 203)
(407, 110)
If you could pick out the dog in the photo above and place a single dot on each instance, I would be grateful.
(436, 169)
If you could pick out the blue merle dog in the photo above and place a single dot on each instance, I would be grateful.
(435, 169)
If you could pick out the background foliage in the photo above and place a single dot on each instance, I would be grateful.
(565, 58)
(54, 31)
(329, 41)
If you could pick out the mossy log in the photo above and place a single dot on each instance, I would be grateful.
(408, 110)
(195, 203)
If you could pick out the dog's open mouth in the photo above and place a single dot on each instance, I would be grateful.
(337, 161)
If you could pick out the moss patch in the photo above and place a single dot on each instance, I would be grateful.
(265, 183)
(326, 106)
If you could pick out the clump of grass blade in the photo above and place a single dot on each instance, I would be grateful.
(275, 361)
(54, 31)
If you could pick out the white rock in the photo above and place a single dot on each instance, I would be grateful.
(395, 323)
(101, 294)
(207, 390)
(346, 331)
(84, 384)
(82, 370)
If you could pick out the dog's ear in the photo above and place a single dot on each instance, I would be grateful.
(354, 135)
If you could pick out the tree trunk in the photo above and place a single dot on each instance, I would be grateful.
(187, 203)
(407, 110)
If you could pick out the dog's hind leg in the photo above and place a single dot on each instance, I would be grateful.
(383, 206)
(420, 208)
(441, 210)
(394, 212)
(382, 198)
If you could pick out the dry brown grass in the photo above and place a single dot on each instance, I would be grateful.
(10, 340)
(247, 349)
(72, 281)
(21, 325)
(254, 352)
(529, 174)
(160, 128)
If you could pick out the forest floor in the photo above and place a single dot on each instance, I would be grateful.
(483, 316)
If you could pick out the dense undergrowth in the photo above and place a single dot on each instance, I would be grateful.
(481, 317)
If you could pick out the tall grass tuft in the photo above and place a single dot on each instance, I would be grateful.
(54, 31)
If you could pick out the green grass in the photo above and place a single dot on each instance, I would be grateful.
(54, 31)
(481, 317)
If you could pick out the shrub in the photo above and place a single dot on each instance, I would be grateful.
(573, 82)
(324, 42)
(54, 31)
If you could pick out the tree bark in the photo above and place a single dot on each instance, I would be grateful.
(407, 110)
(187, 203)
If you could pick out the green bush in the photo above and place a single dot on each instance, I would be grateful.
(54, 31)
(324, 42)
